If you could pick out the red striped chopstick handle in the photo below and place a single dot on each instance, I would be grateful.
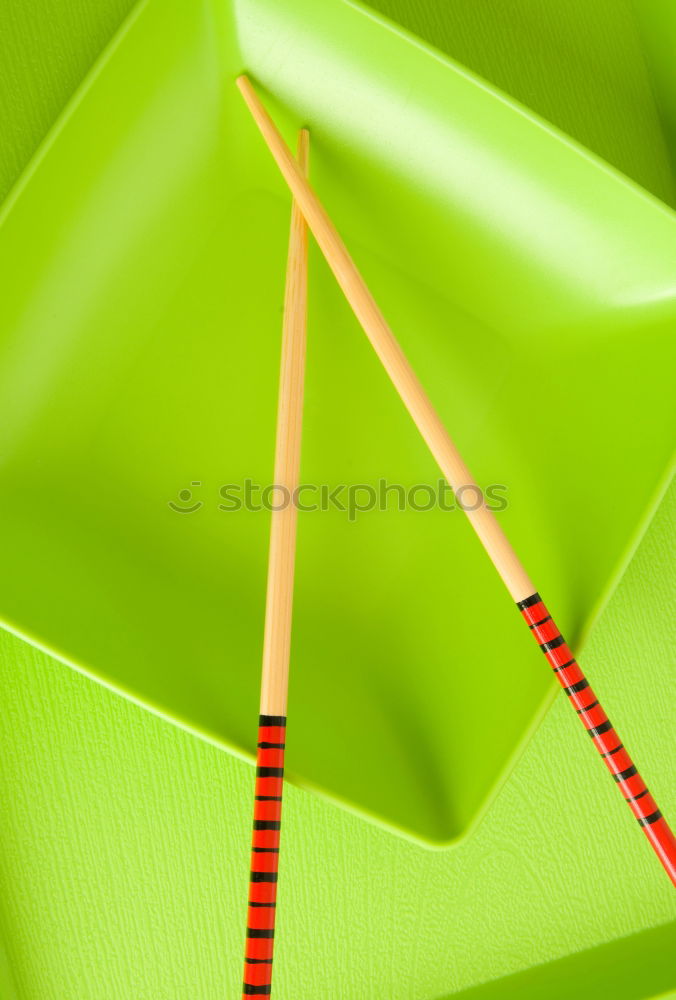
(603, 733)
(260, 931)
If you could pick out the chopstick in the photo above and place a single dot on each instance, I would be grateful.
(484, 522)
(278, 614)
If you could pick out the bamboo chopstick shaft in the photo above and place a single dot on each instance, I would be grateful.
(278, 614)
(277, 641)
(388, 350)
(550, 640)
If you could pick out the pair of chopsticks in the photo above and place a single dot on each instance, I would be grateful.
(308, 210)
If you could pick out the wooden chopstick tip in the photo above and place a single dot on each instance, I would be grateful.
(246, 89)
(303, 149)
(248, 92)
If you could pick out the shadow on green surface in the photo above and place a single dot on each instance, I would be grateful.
(632, 968)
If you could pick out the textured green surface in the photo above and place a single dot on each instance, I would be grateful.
(46, 47)
(124, 845)
(146, 827)
(611, 970)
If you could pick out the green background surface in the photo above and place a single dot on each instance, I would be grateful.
(147, 826)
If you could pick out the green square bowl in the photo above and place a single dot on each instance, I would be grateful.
(532, 287)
